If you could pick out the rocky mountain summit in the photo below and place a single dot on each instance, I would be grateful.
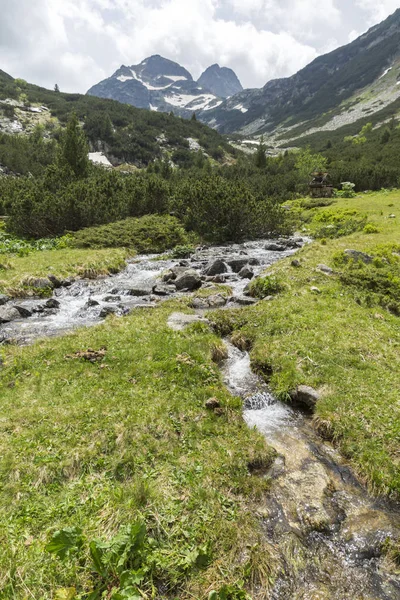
(162, 85)
(221, 81)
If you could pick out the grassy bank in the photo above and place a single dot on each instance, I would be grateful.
(15, 271)
(341, 338)
(93, 447)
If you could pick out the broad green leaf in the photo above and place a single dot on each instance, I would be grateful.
(65, 541)
(97, 553)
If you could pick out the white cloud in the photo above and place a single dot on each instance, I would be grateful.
(76, 43)
(378, 9)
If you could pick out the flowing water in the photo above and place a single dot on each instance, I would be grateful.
(326, 531)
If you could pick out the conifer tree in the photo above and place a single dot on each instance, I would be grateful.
(261, 157)
(74, 149)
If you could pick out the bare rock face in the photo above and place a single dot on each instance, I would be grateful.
(190, 280)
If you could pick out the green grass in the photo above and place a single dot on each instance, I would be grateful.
(334, 341)
(14, 270)
(99, 446)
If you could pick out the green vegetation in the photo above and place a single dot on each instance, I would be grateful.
(152, 233)
(332, 333)
(261, 287)
(131, 134)
(16, 271)
(115, 476)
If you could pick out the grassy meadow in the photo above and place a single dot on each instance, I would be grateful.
(342, 338)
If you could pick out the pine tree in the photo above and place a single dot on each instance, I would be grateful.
(194, 118)
(261, 157)
(385, 137)
(74, 148)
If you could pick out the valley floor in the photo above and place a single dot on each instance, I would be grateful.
(91, 446)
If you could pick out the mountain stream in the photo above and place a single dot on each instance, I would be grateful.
(325, 529)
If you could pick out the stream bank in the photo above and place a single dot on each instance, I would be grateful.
(325, 529)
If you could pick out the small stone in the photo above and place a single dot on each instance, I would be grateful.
(295, 263)
(315, 290)
(3, 299)
(199, 303)
(392, 216)
(137, 292)
(40, 283)
(212, 404)
(246, 273)
(112, 299)
(325, 269)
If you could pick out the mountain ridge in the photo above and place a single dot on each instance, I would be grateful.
(319, 89)
(160, 84)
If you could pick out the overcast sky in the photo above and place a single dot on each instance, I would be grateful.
(77, 43)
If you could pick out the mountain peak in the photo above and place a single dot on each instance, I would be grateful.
(221, 81)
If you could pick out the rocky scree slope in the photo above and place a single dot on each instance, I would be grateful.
(335, 89)
(160, 84)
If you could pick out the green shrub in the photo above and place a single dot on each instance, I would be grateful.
(182, 251)
(261, 287)
(371, 228)
(151, 233)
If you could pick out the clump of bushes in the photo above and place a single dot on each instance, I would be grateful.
(261, 287)
(338, 223)
(377, 282)
(151, 233)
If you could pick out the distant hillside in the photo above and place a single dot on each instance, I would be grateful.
(124, 133)
(340, 88)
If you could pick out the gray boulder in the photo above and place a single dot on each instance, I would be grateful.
(357, 255)
(246, 273)
(91, 303)
(273, 247)
(107, 310)
(305, 396)
(163, 290)
(140, 291)
(57, 283)
(216, 301)
(3, 299)
(52, 303)
(216, 268)
(237, 264)
(112, 298)
(243, 300)
(190, 280)
(23, 311)
(8, 314)
(40, 283)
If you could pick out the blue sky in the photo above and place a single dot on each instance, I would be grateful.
(76, 43)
